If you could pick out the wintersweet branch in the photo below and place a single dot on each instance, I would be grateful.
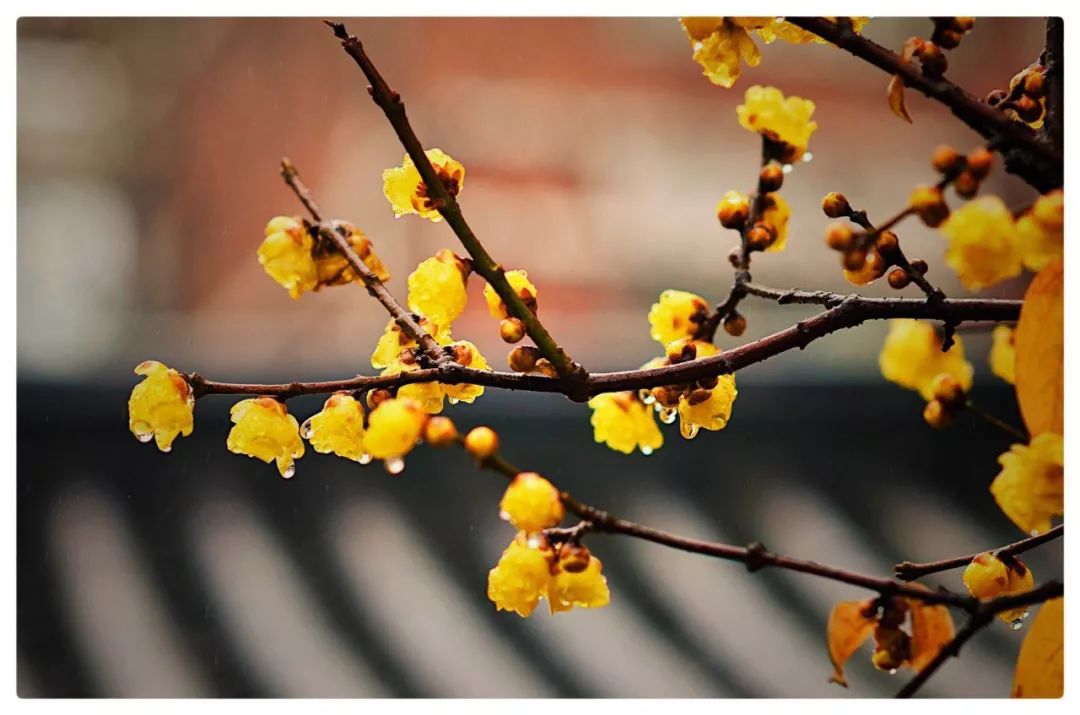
(845, 311)
(1037, 163)
(394, 108)
(374, 286)
(909, 571)
(754, 557)
(980, 618)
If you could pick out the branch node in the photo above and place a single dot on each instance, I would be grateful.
(756, 556)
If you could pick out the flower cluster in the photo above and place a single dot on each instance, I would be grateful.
(912, 357)
(988, 576)
(408, 194)
(300, 259)
(867, 256)
(1025, 101)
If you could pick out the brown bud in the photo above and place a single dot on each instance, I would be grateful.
(760, 236)
(681, 353)
(929, 205)
(708, 383)
(835, 205)
(966, 185)
(888, 245)
(377, 396)
(544, 367)
(933, 59)
(839, 237)
(855, 259)
(440, 431)
(523, 358)
(936, 415)
(1035, 84)
(511, 330)
(949, 392)
(733, 210)
(899, 278)
(946, 160)
(771, 178)
(948, 38)
(979, 162)
(573, 558)
(482, 442)
(996, 97)
(735, 324)
(1028, 109)
(919, 266)
(735, 257)
(698, 396)
(963, 24)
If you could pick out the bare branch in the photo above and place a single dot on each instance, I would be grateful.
(908, 571)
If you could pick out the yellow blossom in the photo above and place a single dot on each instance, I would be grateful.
(531, 503)
(521, 577)
(720, 43)
(622, 421)
(987, 576)
(678, 314)
(264, 429)
(406, 192)
(428, 396)
(585, 589)
(437, 288)
(519, 282)
(707, 409)
(784, 120)
(983, 242)
(1041, 231)
(1030, 486)
(467, 355)
(161, 406)
(333, 268)
(1003, 354)
(912, 357)
(338, 428)
(777, 214)
(394, 340)
(394, 426)
(285, 254)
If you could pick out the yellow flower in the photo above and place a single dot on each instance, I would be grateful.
(468, 355)
(285, 254)
(708, 409)
(987, 576)
(428, 396)
(719, 43)
(678, 315)
(437, 288)
(531, 503)
(1003, 354)
(1041, 231)
(777, 213)
(519, 281)
(394, 340)
(779, 119)
(1030, 486)
(586, 589)
(912, 357)
(983, 241)
(338, 428)
(406, 192)
(521, 577)
(622, 421)
(333, 268)
(161, 406)
(264, 429)
(393, 428)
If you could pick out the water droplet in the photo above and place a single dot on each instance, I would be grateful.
(290, 471)
(689, 430)
(305, 429)
(1018, 623)
(167, 448)
(646, 450)
(365, 458)
(892, 671)
(504, 515)
(668, 415)
(453, 400)
(144, 437)
(786, 168)
(646, 396)
(807, 157)
(395, 465)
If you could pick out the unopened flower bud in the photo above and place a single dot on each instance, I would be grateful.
(948, 38)
(482, 442)
(899, 278)
(760, 236)
(511, 330)
(839, 237)
(919, 266)
(1035, 84)
(946, 160)
(523, 358)
(966, 185)
(574, 558)
(996, 97)
(979, 162)
(949, 392)
(835, 205)
(544, 367)
(1028, 109)
(771, 178)
(929, 205)
(440, 431)
(733, 210)
(377, 396)
(735, 324)
(933, 59)
(936, 415)
(854, 259)
(888, 245)
(963, 24)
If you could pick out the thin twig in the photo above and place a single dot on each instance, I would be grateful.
(1034, 161)
(843, 312)
(404, 318)
(909, 571)
(394, 108)
(997, 422)
(979, 619)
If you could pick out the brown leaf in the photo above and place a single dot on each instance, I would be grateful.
(931, 628)
(849, 627)
(1040, 669)
(1040, 353)
(896, 98)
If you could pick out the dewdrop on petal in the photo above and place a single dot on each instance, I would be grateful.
(161, 407)
(264, 429)
(338, 428)
(586, 588)
(394, 427)
(521, 577)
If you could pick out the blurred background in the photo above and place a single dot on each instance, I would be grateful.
(595, 154)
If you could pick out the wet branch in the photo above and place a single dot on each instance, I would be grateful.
(909, 571)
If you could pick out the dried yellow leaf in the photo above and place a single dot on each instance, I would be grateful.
(849, 627)
(1040, 669)
(931, 629)
(1040, 353)
(896, 98)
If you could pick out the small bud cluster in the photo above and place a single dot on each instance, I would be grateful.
(866, 255)
(949, 31)
(1025, 100)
